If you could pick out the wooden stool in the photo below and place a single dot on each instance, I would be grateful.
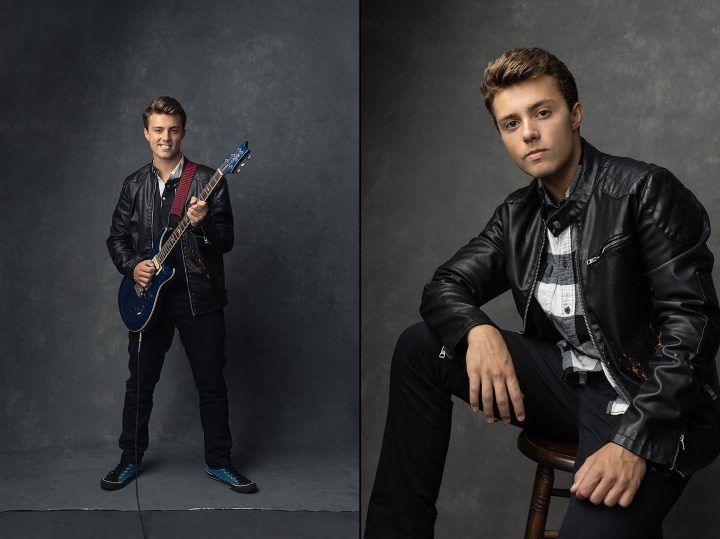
(550, 455)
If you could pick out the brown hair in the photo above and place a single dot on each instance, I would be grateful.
(165, 105)
(521, 64)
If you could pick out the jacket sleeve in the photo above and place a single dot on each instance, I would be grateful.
(119, 242)
(473, 276)
(672, 228)
(217, 227)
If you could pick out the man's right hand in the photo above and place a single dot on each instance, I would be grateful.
(144, 272)
(491, 372)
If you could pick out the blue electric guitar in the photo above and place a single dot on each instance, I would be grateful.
(138, 305)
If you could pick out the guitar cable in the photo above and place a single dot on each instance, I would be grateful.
(137, 415)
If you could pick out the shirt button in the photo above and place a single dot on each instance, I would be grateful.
(567, 310)
(556, 224)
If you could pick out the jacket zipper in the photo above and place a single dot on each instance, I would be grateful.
(152, 222)
(537, 270)
(152, 211)
(187, 281)
(610, 245)
(681, 444)
(616, 385)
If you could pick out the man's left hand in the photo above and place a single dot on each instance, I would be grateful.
(197, 211)
(612, 475)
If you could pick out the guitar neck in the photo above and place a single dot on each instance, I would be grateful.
(184, 223)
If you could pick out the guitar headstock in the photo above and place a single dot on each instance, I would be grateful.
(236, 159)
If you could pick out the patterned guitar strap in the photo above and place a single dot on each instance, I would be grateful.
(183, 188)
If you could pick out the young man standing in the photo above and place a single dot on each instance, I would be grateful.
(193, 302)
(607, 262)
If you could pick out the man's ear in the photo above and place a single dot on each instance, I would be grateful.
(576, 115)
(147, 134)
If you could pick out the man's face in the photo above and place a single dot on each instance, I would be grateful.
(164, 133)
(539, 131)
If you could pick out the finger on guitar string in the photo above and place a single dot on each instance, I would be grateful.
(197, 211)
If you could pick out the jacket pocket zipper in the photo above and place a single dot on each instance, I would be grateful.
(612, 244)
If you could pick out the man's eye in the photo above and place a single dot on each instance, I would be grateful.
(512, 124)
(544, 113)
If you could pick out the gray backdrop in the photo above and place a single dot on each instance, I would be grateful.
(433, 168)
(76, 77)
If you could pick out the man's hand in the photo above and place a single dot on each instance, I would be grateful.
(144, 272)
(491, 371)
(612, 475)
(197, 211)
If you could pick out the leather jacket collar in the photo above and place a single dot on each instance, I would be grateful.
(579, 192)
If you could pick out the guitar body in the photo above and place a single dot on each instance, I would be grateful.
(139, 305)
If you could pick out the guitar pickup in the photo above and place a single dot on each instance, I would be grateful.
(139, 290)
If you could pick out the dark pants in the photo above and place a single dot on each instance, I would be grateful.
(203, 338)
(417, 432)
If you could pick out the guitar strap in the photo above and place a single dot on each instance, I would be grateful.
(183, 188)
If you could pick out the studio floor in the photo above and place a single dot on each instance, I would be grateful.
(59, 496)
(249, 524)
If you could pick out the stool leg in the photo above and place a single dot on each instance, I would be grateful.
(540, 502)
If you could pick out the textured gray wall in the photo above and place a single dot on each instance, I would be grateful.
(433, 168)
(75, 79)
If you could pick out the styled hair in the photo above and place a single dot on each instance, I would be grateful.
(521, 64)
(165, 105)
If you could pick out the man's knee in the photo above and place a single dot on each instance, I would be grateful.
(416, 347)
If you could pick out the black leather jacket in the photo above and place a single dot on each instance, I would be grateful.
(131, 235)
(646, 285)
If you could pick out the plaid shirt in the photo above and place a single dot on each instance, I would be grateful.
(558, 293)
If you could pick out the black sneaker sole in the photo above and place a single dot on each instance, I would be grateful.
(108, 485)
(245, 489)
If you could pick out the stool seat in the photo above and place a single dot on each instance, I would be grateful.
(556, 453)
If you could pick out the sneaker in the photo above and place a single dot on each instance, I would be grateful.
(120, 476)
(233, 479)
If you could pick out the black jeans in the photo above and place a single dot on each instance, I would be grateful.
(203, 338)
(417, 432)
